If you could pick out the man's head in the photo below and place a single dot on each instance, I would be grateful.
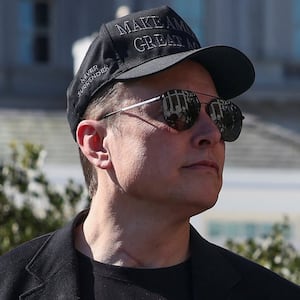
(145, 43)
(149, 56)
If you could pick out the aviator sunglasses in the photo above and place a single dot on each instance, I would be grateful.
(181, 109)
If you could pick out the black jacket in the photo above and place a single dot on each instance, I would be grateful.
(47, 268)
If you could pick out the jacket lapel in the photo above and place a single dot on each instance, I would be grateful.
(54, 268)
(213, 276)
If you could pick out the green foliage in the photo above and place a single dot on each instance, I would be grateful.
(29, 204)
(272, 251)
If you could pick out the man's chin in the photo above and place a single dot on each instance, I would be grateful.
(200, 207)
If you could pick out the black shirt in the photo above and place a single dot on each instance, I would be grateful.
(102, 281)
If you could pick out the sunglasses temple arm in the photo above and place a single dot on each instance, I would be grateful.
(132, 106)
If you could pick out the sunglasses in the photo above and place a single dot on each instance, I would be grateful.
(181, 109)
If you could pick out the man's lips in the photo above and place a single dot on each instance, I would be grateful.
(203, 164)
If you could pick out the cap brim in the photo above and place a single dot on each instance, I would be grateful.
(231, 70)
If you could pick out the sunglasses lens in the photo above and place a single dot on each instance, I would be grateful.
(181, 109)
(228, 118)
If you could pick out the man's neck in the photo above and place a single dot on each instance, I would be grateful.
(139, 241)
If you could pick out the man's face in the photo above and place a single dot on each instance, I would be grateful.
(159, 166)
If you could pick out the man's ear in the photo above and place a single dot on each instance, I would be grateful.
(90, 135)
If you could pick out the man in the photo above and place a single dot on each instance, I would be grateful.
(149, 110)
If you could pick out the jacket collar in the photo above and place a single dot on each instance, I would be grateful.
(213, 275)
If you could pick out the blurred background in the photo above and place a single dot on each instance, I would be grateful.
(43, 41)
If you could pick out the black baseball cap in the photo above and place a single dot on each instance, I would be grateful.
(147, 42)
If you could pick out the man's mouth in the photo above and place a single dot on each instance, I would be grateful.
(203, 164)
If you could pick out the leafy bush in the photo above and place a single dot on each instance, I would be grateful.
(29, 204)
(272, 251)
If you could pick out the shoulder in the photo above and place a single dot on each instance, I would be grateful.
(22, 254)
(54, 244)
(244, 278)
(13, 273)
(259, 278)
(32, 264)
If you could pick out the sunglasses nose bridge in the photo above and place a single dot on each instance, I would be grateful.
(204, 126)
(204, 112)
